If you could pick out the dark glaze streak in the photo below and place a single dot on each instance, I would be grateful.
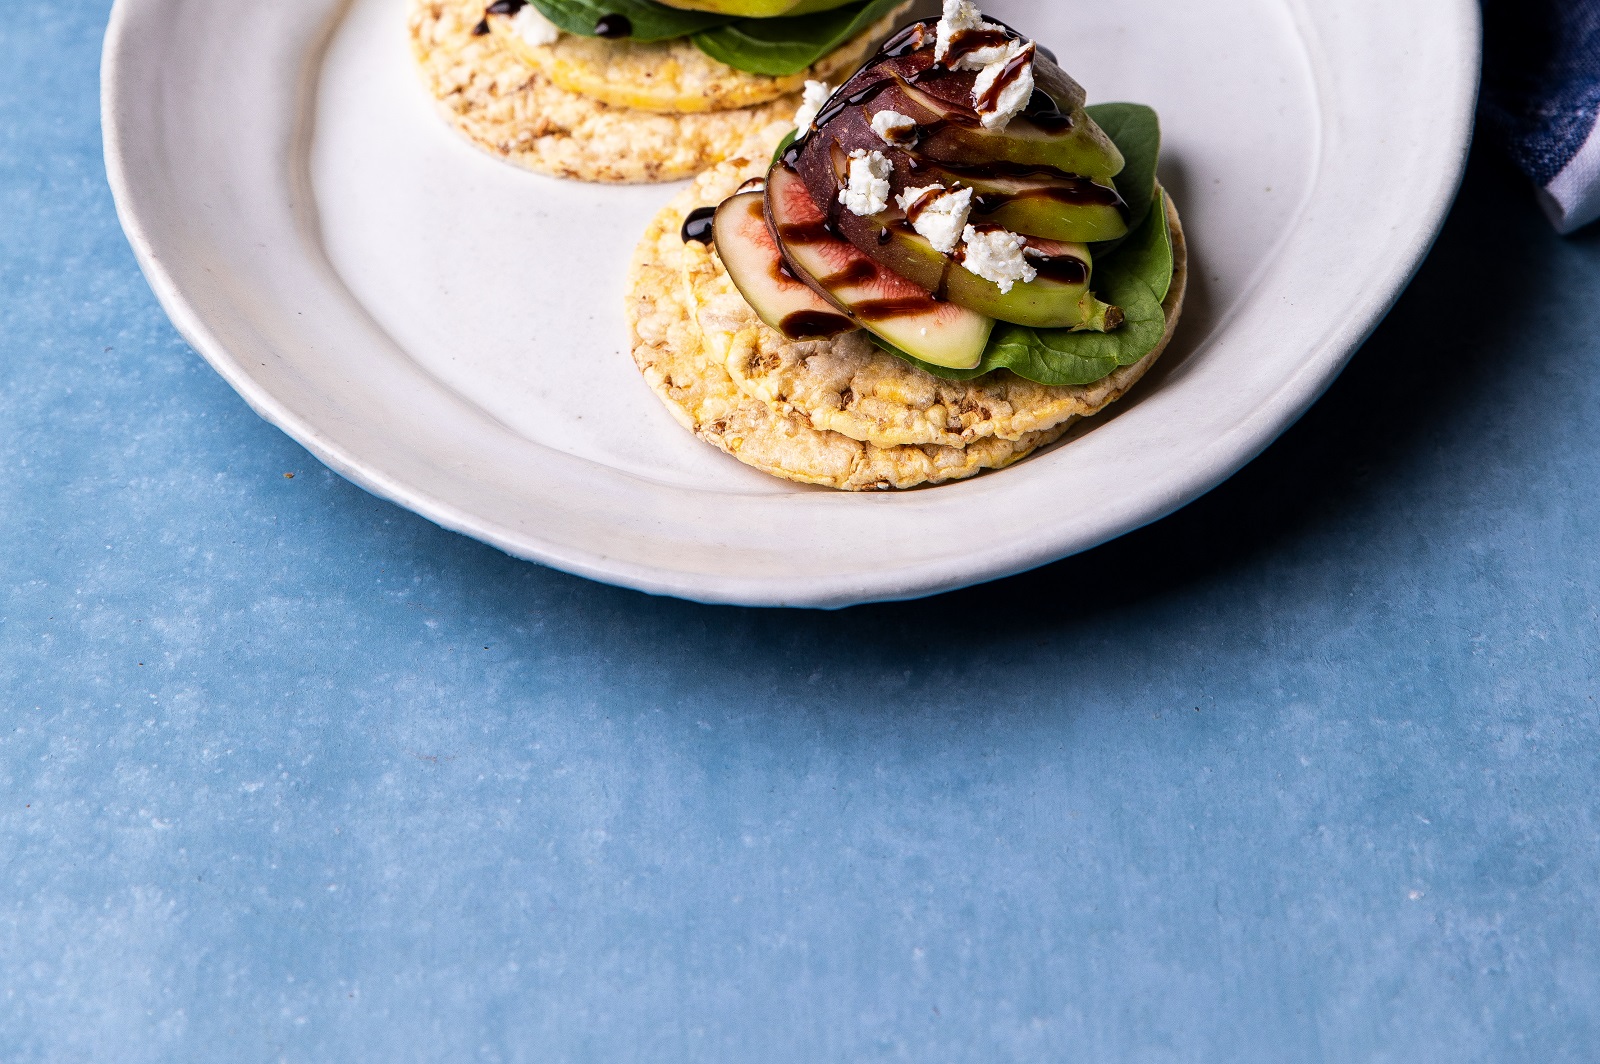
(613, 27)
(806, 233)
(814, 325)
(506, 7)
(839, 104)
(481, 29)
(698, 226)
(884, 309)
(1064, 269)
(1043, 112)
(859, 271)
(913, 38)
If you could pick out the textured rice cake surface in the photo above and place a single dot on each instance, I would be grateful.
(675, 76)
(667, 346)
(515, 113)
(846, 385)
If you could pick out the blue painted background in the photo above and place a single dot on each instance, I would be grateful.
(1307, 772)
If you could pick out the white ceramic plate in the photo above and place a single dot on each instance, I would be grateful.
(447, 331)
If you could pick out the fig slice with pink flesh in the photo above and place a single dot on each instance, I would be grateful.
(889, 306)
(754, 264)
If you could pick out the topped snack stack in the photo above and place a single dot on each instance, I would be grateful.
(950, 261)
(634, 90)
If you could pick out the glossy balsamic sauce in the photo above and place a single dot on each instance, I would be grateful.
(859, 271)
(506, 7)
(806, 232)
(613, 27)
(481, 29)
(886, 309)
(1067, 269)
(814, 325)
(913, 38)
(1043, 112)
(698, 226)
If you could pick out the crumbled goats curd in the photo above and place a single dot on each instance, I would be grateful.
(533, 27)
(816, 95)
(963, 16)
(940, 215)
(892, 127)
(997, 255)
(868, 190)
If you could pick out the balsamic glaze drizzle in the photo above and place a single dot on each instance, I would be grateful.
(613, 27)
(698, 225)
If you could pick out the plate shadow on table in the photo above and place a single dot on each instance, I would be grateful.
(1425, 366)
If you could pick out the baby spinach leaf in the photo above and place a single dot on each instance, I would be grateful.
(1136, 131)
(779, 47)
(651, 21)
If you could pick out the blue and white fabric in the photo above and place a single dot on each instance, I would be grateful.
(1542, 94)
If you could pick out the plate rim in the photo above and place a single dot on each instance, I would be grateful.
(1317, 370)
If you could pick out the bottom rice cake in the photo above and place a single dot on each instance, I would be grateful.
(694, 383)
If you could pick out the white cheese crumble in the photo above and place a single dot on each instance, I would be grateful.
(892, 127)
(817, 93)
(942, 215)
(997, 256)
(963, 16)
(868, 190)
(1013, 97)
(533, 27)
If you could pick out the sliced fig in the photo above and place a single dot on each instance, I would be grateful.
(948, 132)
(905, 315)
(1037, 202)
(1033, 200)
(756, 268)
(1058, 298)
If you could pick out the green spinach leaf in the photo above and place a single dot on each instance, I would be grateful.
(1136, 131)
(651, 21)
(779, 47)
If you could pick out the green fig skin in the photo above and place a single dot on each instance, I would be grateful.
(757, 8)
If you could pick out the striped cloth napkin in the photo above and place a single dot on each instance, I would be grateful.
(1541, 93)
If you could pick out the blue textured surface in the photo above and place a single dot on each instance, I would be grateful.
(1307, 772)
